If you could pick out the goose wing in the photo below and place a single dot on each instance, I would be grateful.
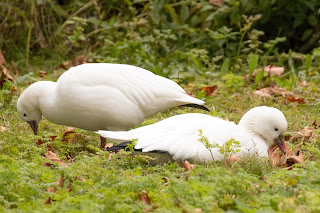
(181, 138)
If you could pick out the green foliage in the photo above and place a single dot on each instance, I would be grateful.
(228, 148)
(157, 35)
(233, 82)
(209, 146)
(102, 184)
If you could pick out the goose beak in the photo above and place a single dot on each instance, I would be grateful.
(281, 143)
(34, 126)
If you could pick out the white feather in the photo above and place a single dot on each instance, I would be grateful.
(179, 135)
(101, 96)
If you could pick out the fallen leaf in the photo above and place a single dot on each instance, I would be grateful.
(166, 181)
(48, 201)
(53, 137)
(65, 65)
(296, 99)
(270, 69)
(2, 60)
(79, 178)
(3, 129)
(268, 91)
(51, 189)
(302, 84)
(233, 159)
(70, 160)
(144, 197)
(282, 160)
(110, 156)
(42, 73)
(273, 70)
(68, 135)
(188, 166)
(297, 158)
(53, 157)
(81, 59)
(306, 133)
(210, 90)
(5, 76)
(40, 141)
(218, 3)
(60, 181)
(69, 189)
(189, 88)
(108, 145)
(315, 124)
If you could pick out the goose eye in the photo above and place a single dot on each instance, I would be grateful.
(24, 115)
(276, 129)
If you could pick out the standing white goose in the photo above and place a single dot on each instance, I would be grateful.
(105, 96)
(179, 135)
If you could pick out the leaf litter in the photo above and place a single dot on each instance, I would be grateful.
(51, 156)
(296, 157)
(268, 92)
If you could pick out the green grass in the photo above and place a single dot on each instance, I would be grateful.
(103, 185)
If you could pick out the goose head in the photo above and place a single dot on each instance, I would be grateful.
(28, 106)
(268, 123)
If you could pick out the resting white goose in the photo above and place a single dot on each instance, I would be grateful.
(179, 135)
(104, 96)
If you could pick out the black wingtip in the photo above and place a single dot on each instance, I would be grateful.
(123, 146)
(196, 106)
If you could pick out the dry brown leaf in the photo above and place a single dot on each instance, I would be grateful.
(189, 89)
(110, 156)
(297, 158)
(70, 160)
(5, 76)
(53, 157)
(60, 181)
(40, 141)
(210, 90)
(51, 189)
(218, 3)
(296, 99)
(197, 210)
(302, 84)
(69, 189)
(108, 145)
(81, 59)
(233, 159)
(268, 91)
(42, 73)
(188, 166)
(314, 124)
(273, 70)
(3, 129)
(79, 178)
(281, 160)
(306, 132)
(65, 65)
(68, 135)
(166, 181)
(144, 197)
(2, 60)
(48, 201)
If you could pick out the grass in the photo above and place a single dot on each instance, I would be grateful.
(103, 185)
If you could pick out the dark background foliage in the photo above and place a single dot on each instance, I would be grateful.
(51, 29)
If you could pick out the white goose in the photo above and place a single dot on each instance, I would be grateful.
(105, 96)
(179, 135)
